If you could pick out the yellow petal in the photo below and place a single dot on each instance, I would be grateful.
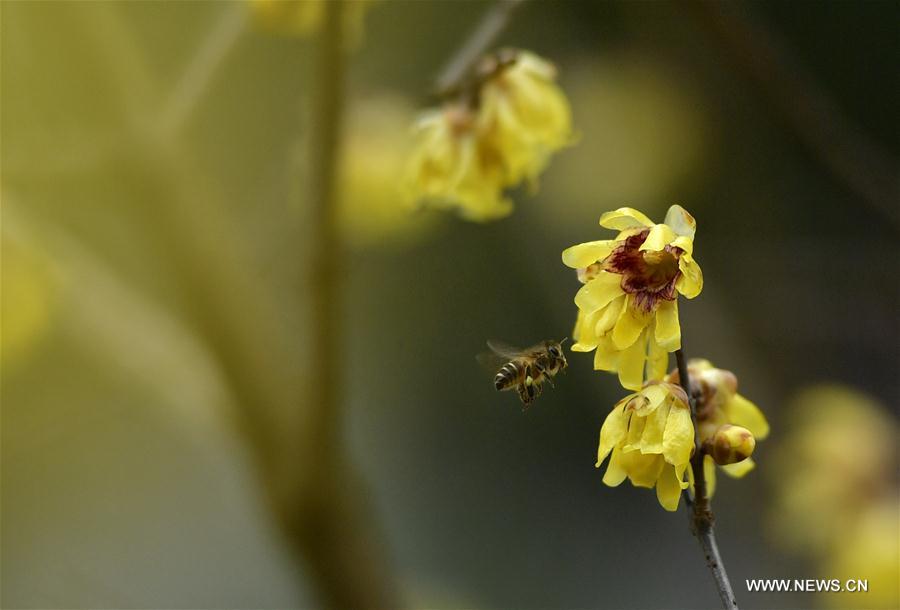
(624, 218)
(678, 439)
(629, 326)
(606, 358)
(685, 243)
(607, 318)
(599, 292)
(660, 236)
(657, 359)
(668, 488)
(585, 337)
(588, 253)
(740, 469)
(631, 364)
(668, 330)
(614, 474)
(742, 412)
(652, 437)
(709, 473)
(613, 430)
(635, 429)
(643, 470)
(681, 221)
(690, 282)
(656, 395)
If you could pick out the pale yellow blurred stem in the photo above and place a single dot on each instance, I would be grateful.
(311, 488)
(201, 70)
(335, 523)
(702, 520)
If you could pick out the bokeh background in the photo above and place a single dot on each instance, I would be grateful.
(156, 306)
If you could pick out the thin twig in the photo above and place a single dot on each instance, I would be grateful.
(479, 41)
(203, 67)
(805, 107)
(702, 517)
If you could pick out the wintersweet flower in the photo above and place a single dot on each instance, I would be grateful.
(723, 416)
(628, 308)
(499, 131)
(453, 167)
(649, 438)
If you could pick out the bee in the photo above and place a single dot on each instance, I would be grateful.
(525, 370)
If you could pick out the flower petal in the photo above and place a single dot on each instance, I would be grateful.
(606, 358)
(681, 221)
(690, 282)
(631, 364)
(678, 439)
(643, 470)
(739, 469)
(607, 319)
(657, 359)
(635, 429)
(742, 412)
(614, 474)
(668, 488)
(652, 437)
(587, 253)
(659, 237)
(599, 292)
(668, 330)
(629, 326)
(624, 218)
(612, 431)
(685, 243)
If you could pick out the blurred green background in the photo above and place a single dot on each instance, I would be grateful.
(156, 297)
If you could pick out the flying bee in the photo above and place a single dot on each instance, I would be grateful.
(525, 370)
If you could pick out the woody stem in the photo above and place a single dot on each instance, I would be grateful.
(701, 516)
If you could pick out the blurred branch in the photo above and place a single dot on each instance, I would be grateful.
(312, 489)
(702, 517)
(799, 101)
(203, 67)
(477, 44)
(334, 523)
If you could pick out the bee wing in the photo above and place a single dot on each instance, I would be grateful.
(506, 351)
(491, 361)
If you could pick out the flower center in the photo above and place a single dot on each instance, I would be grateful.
(649, 275)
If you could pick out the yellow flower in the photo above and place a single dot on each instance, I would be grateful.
(628, 308)
(649, 438)
(498, 133)
(723, 414)
(372, 211)
(304, 17)
(526, 116)
(453, 168)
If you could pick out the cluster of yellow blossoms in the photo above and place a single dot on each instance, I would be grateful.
(491, 137)
(628, 315)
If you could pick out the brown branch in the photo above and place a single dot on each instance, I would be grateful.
(485, 34)
(701, 514)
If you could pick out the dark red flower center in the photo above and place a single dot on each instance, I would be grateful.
(648, 275)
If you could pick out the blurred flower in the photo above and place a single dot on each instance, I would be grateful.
(723, 417)
(836, 496)
(649, 438)
(628, 308)
(304, 17)
(372, 208)
(491, 137)
(26, 298)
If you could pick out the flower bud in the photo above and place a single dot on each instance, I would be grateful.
(730, 444)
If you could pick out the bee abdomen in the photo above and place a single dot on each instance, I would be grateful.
(506, 376)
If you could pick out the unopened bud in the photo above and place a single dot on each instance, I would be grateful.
(730, 444)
